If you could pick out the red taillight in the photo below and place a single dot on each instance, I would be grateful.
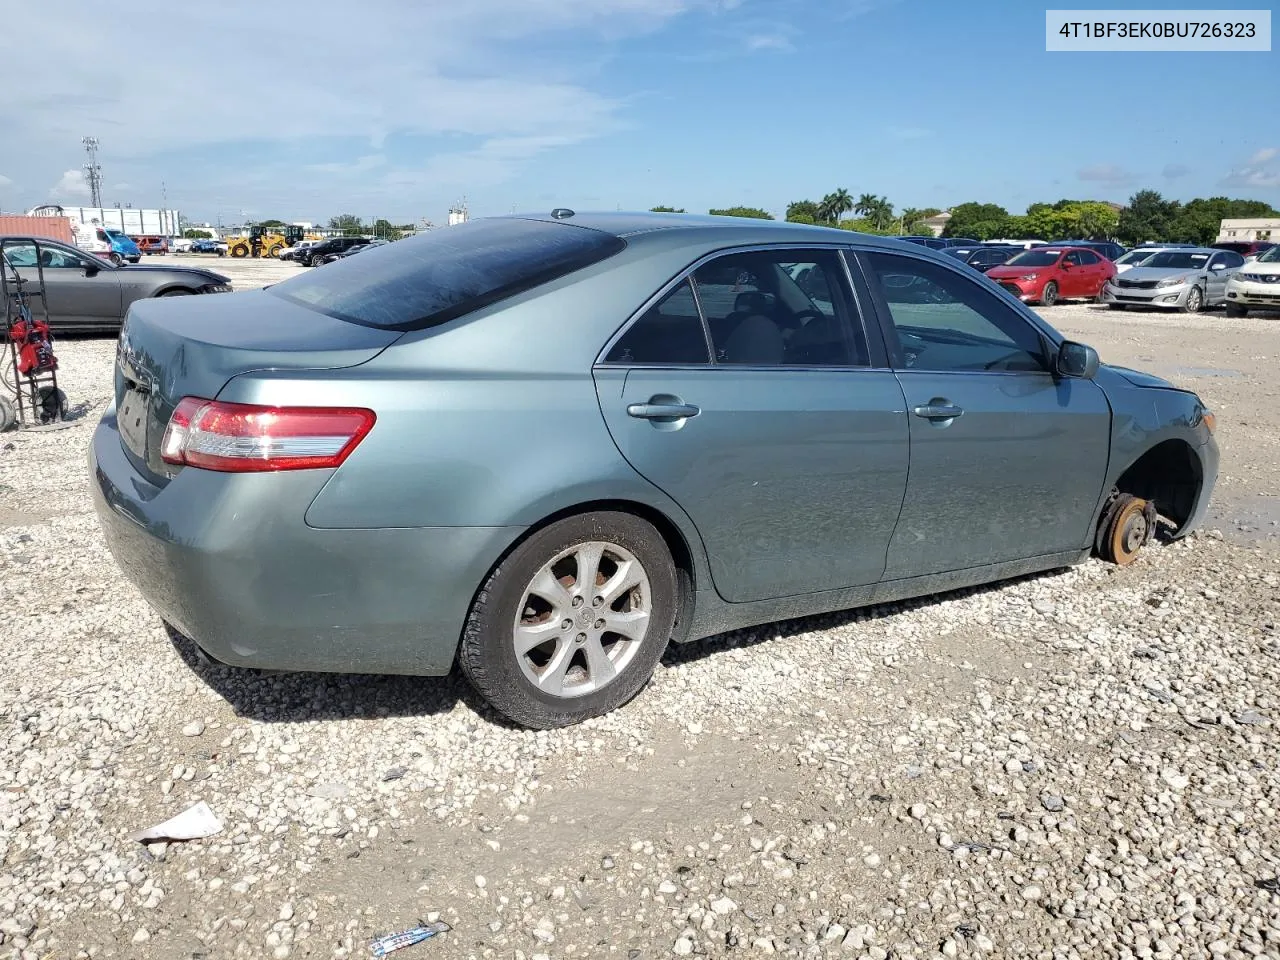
(243, 437)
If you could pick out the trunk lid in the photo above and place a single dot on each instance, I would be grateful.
(191, 346)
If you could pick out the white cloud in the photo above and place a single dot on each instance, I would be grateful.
(1252, 177)
(486, 70)
(1106, 173)
(1257, 171)
(70, 186)
(775, 40)
(5, 181)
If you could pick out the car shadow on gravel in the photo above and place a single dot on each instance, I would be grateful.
(681, 653)
(271, 697)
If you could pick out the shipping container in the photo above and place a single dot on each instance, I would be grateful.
(51, 228)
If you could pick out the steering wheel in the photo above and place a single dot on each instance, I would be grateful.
(809, 313)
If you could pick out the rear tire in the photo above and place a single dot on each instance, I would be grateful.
(1194, 302)
(178, 293)
(1235, 310)
(582, 669)
(116, 259)
(1117, 306)
(239, 251)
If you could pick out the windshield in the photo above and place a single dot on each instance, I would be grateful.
(1135, 256)
(1271, 256)
(447, 272)
(1035, 258)
(1176, 260)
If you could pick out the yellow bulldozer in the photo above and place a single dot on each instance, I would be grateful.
(267, 241)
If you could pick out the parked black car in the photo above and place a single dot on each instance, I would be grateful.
(88, 294)
(933, 243)
(350, 252)
(313, 255)
(983, 258)
(1106, 248)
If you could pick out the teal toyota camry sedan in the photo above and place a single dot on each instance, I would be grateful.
(543, 447)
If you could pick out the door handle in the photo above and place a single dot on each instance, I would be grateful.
(938, 410)
(662, 411)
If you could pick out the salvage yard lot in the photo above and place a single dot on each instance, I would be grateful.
(1071, 764)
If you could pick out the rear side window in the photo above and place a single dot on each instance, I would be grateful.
(447, 272)
(1088, 257)
(669, 332)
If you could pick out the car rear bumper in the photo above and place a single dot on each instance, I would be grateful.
(228, 560)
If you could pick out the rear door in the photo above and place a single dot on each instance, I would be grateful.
(753, 401)
(1007, 461)
(1093, 272)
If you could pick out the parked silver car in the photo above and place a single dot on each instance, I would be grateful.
(87, 294)
(1186, 279)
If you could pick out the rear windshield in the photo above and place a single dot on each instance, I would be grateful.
(1036, 258)
(447, 272)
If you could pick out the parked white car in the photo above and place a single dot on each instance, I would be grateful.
(1135, 257)
(180, 245)
(1256, 285)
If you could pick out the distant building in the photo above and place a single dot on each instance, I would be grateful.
(937, 223)
(458, 215)
(1260, 228)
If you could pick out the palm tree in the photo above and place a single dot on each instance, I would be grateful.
(834, 205)
(876, 209)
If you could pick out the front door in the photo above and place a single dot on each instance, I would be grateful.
(1220, 270)
(785, 448)
(1007, 461)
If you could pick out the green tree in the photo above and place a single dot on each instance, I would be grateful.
(912, 218)
(1148, 216)
(981, 221)
(347, 223)
(1199, 220)
(195, 234)
(666, 209)
(803, 211)
(878, 210)
(385, 230)
(835, 205)
(753, 212)
(272, 223)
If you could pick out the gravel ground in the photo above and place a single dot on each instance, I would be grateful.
(1076, 764)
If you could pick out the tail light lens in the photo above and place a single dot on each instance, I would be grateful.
(247, 438)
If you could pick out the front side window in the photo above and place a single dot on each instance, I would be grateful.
(780, 308)
(945, 321)
(23, 254)
(668, 332)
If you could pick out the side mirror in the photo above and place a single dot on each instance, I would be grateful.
(1076, 360)
(90, 270)
(1250, 258)
(1066, 264)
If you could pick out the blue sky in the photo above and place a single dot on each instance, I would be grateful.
(398, 109)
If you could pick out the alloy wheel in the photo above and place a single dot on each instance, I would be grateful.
(582, 619)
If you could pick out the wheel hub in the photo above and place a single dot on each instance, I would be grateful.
(1135, 532)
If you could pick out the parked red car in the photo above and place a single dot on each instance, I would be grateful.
(150, 245)
(1046, 275)
(1246, 248)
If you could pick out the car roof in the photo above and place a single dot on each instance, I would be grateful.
(693, 226)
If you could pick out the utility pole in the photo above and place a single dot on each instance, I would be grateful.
(93, 172)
